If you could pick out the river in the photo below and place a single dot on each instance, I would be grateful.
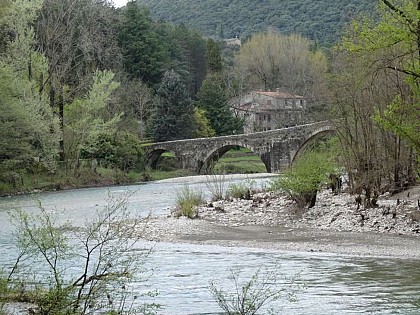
(329, 283)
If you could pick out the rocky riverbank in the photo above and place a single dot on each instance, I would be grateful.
(336, 225)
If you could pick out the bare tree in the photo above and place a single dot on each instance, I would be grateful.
(88, 268)
(270, 60)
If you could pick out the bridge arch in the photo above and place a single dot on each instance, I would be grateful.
(216, 153)
(310, 140)
(152, 157)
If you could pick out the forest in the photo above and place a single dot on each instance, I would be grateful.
(85, 86)
(321, 21)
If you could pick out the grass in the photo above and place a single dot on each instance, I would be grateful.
(187, 201)
(160, 174)
(242, 161)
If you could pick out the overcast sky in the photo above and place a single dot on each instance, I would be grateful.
(119, 3)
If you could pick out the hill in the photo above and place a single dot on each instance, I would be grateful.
(320, 20)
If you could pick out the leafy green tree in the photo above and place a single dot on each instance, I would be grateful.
(24, 105)
(202, 124)
(192, 59)
(173, 118)
(213, 57)
(122, 150)
(212, 97)
(86, 118)
(144, 55)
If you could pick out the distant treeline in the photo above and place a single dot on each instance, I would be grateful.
(322, 21)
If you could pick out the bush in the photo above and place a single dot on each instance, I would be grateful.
(242, 190)
(103, 254)
(250, 296)
(123, 151)
(304, 179)
(216, 185)
(187, 201)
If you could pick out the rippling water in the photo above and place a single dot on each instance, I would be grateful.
(330, 284)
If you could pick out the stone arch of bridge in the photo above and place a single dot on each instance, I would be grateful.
(152, 157)
(311, 139)
(211, 159)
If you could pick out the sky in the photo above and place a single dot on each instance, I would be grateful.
(119, 3)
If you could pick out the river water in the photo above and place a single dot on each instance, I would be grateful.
(328, 283)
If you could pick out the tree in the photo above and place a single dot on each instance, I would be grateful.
(173, 118)
(78, 38)
(270, 60)
(305, 177)
(138, 103)
(101, 254)
(202, 124)
(24, 105)
(191, 59)
(144, 55)
(399, 33)
(212, 98)
(381, 59)
(213, 57)
(86, 118)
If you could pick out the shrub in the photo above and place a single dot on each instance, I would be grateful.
(101, 253)
(303, 180)
(187, 201)
(248, 297)
(217, 185)
(241, 190)
(122, 151)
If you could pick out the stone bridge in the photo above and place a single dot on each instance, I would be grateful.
(276, 148)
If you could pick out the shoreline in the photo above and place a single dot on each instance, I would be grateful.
(281, 238)
(272, 222)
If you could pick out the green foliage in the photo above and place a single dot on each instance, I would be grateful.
(187, 50)
(202, 124)
(322, 21)
(87, 118)
(143, 53)
(28, 126)
(123, 151)
(173, 118)
(403, 119)
(303, 180)
(242, 190)
(213, 57)
(187, 201)
(385, 51)
(249, 297)
(213, 98)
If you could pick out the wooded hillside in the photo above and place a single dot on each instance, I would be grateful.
(321, 20)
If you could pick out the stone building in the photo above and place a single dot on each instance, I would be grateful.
(264, 111)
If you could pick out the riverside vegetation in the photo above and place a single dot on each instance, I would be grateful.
(107, 102)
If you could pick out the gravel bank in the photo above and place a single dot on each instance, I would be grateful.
(270, 221)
